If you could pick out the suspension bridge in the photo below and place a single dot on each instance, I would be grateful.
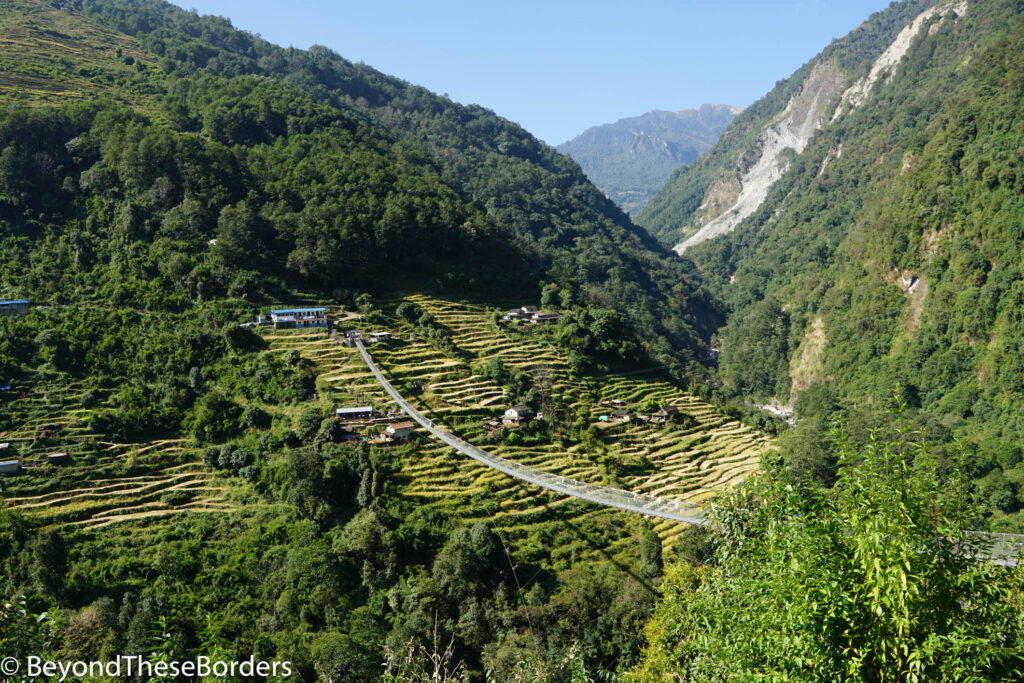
(1002, 549)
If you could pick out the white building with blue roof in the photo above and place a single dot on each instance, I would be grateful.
(286, 318)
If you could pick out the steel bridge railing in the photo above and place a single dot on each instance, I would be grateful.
(653, 506)
(1002, 549)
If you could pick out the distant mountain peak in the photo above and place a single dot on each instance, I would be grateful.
(630, 159)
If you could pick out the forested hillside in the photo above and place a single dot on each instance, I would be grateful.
(182, 485)
(309, 171)
(631, 159)
(784, 118)
(886, 253)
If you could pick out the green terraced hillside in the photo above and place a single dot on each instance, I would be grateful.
(693, 463)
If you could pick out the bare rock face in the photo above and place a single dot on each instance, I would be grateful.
(807, 111)
(792, 129)
(885, 66)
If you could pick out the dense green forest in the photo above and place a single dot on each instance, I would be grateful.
(390, 171)
(895, 263)
(169, 177)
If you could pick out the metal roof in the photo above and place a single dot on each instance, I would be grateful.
(14, 301)
(9, 462)
(363, 409)
(299, 310)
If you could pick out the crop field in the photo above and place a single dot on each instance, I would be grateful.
(136, 489)
(693, 463)
(103, 482)
(59, 55)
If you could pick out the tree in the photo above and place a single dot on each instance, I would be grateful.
(650, 554)
(243, 339)
(215, 417)
(254, 417)
(240, 232)
(364, 302)
(549, 296)
(49, 562)
(874, 581)
(309, 423)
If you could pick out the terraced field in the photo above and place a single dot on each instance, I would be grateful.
(104, 482)
(142, 484)
(693, 464)
(60, 55)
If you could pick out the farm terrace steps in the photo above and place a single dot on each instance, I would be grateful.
(695, 462)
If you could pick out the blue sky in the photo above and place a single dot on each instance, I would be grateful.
(558, 67)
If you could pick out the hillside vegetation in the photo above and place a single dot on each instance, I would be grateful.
(887, 255)
(121, 535)
(308, 170)
(164, 177)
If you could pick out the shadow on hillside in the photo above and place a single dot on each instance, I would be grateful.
(599, 546)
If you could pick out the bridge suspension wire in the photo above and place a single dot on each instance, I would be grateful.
(653, 506)
(1001, 549)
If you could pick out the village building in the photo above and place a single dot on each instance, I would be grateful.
(545, 317)
(58, 459)
(5, 449)
(400, 431)
(620, 416)
(355, 414)
(288, 318)
(13, 307)
(514, 314)
(665, 414)
(517, 416)
(9, 467)
(376, 337)
(522, 313)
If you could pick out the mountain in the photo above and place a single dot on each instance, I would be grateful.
(183, 478)
(629, 160)
(863, 221)
(308, 171)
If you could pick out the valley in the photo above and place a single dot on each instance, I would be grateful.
(302, 362)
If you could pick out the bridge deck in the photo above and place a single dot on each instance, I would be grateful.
(1002, 549)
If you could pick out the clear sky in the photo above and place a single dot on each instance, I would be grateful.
(557, 67)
